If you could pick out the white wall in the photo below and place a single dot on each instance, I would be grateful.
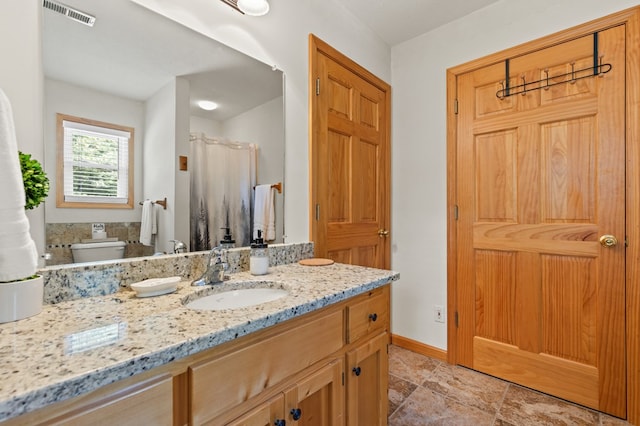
(281, 39)
(159, 149)
(66, 98)
(21, 80)
(204, 125)
(263, 125)
(419, 141)
(182, 147)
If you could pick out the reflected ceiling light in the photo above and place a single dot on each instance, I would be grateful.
(254, 7)
(207, 105)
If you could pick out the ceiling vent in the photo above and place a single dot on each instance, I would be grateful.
(69, 12)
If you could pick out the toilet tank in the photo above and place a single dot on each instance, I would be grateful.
(92, 252)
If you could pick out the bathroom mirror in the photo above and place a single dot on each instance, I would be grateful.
(122, 70)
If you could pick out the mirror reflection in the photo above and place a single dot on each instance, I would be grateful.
(137, 69)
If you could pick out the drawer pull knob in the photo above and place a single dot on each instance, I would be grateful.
(373, 317)
(356, 371)
(280, 422)
(296, 413)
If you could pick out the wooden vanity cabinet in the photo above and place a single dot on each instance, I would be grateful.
(309, 366)
(307, 363)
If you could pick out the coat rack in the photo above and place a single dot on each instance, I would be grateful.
(598, 69)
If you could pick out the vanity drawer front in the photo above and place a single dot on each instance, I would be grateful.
(368, 313)
(220, 384)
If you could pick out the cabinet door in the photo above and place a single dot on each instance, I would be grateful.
(267, 414)
(317, 399)
(367, 380)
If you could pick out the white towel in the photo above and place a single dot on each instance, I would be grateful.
(18, 253)
(264, 212)
(148, 225)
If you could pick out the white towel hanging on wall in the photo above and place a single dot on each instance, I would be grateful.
(148, 223)
(264, 213)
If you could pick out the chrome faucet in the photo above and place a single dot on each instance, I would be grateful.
(216, 266)
(178, 246)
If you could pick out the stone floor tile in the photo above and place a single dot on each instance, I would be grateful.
(524, 407)
(399, 390)
(411, 366)
(468, 387)
(425, 407)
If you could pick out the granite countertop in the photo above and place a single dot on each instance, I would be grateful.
(78, 346)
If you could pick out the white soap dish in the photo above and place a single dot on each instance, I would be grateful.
(156, 286)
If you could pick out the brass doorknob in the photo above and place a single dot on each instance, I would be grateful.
(383, 233)
(608, 241)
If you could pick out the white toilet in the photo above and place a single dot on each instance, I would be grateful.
(92, 252)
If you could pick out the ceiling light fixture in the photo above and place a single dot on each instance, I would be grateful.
(207, 105)
(254, 7)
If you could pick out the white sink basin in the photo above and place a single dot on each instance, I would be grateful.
(240, 298)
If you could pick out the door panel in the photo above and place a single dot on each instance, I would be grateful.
(540, 177)
(350, 152)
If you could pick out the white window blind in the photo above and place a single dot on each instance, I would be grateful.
(96, 163)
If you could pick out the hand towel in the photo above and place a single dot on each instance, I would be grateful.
(264, 212)
(18, 253)
(148, 225)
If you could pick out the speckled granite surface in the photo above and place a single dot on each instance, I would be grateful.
(77, 346)
(76, 281)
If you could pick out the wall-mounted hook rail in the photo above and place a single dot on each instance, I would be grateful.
(598, 69)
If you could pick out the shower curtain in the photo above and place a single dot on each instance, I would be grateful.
(223, 175)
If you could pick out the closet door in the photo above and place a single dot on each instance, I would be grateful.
(541, 229)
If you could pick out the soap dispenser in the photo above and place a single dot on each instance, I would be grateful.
(259, 256)
(227, 242)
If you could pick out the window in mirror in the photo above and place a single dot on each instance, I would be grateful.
(95, 164)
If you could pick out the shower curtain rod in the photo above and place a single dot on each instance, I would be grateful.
(216, 141)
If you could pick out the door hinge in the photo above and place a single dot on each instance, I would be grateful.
(455, 211)
(626, 241)
(343, 378)
(317, 211)
(455, 106)
(455, 319)
(318, 86)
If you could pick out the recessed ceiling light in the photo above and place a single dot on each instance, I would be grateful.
(207, 105)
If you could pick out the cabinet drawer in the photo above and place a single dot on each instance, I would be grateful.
(225, 382)
(368, 314)
(148, 402)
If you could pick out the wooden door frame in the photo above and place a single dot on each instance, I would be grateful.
(630, 18)
(316, 46)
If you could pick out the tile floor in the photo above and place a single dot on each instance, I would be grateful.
(426, 391)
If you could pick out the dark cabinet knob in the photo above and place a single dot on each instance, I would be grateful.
(279, 422)
(296, 413)
(373, 317)
(356, 371)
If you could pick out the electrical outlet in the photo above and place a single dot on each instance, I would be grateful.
(438, 313)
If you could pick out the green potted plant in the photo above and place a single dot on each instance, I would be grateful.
(35, 180)
(21, 298)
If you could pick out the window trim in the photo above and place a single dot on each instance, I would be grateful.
(60, 201)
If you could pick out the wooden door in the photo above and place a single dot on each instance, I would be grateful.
(350, 160)
(540, 178)
(367, 383)
(317, 399)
